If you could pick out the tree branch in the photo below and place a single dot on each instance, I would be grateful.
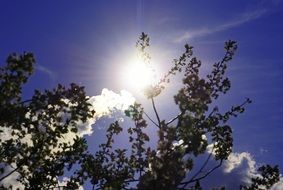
(173, 119)
(177, 116)
(156, 113)
(10, 173)
(150, 119)
(204, 165)
(209, 172)
(131, 180)
(26, 101)
(202, 177)
(23, 161)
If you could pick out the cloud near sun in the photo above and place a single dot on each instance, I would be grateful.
(104, 105)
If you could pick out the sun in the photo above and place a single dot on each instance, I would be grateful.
(138, 75)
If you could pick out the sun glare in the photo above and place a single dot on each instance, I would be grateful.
(138, 75)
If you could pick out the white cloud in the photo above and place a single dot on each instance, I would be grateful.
(104, 104)
(242, 19)
(278, 185)
(237, 170)
(236, 159)
(16, 185)
(109, 101)
(11, 179)
(243, 163)
(6, 134)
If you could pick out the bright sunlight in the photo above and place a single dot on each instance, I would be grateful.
(138, 75)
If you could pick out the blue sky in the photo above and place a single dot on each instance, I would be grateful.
(89, 42)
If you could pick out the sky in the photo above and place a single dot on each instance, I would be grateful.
(91, 43)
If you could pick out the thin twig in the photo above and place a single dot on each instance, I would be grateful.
(204, 176)
(131, 180)
(150, 119)
(23, 102)
(173, 119)
(204, 165)
(156, 113)
(11, 172)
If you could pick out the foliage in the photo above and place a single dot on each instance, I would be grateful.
(36, 126)
(38, 153)
(269, 176)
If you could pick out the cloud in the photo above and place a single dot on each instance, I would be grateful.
(237, 170)
(11, 179)
(279, 185)
(242, 167)
(263, 151)
(109, 101)
(165, 20)
(242, 19)
(16, 185)
(242, 163)
(64, 182)
(105, 104)
(45, 70)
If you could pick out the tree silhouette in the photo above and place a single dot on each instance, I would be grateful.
(43, 144)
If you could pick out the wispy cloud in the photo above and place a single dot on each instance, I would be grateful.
(166, 20)
(45, 70)
(242, 19)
